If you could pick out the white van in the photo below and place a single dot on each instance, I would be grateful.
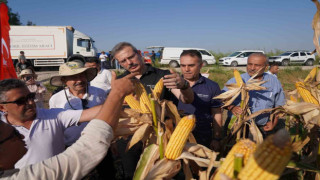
(237, 58)
(171, 56)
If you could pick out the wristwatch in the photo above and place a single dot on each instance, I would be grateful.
(185, 86)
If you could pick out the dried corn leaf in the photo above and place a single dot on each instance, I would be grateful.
(146, 162)
(164, 169)
(186, 169)
(172, 111)
(316, 27)
(212, 164)
(254, 130)
(198, 150)
(297, 146)
(125, 131)
(141, 134)
(199, 161)
(191, 138)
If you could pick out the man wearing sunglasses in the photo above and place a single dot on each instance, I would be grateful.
(43, 129)
(80, 158)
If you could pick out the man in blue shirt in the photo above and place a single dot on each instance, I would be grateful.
(272, 97)
(207, 110)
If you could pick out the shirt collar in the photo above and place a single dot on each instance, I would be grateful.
(72, 96)
(201, 80)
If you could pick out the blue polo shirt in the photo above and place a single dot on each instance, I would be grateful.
(204, 90)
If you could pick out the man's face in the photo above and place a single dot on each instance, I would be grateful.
(76, 83)
(12, 147)
(190, 67)
(129, 60)
(23, 61)
(24, 109)
(256, 63)
(92, 65)
(274, 69)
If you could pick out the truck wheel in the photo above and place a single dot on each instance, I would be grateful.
(205, 63)
(77, 57)
(309, 62)
(174, 64)
(285, 62)
(234, 64)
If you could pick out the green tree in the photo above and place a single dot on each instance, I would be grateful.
(14, 18)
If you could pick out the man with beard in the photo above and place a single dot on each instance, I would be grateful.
(42, 128)
(207, 110)
(272, 97)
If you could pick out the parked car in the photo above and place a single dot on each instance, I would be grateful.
(171, 55)
(237, 58)
(291, 57)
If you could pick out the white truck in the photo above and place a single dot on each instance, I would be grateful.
(49, 45)
(171, 55)
(293, 57)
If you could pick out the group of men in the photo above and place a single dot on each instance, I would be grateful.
(47, 132)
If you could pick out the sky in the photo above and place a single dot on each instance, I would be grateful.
(217, 25)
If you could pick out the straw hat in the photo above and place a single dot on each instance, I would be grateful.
(27, 72)
(72, 68)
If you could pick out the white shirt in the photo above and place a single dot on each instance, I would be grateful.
(44, 139)
(271, 73)
(95, 97)
(102, 80)
(103, 57)
(74, 163)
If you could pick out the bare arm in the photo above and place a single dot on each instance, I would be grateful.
(175, 82)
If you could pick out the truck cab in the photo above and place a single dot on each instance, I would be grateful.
(291, 57)
(83, 44)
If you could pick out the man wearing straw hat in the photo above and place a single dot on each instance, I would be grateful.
(30, 77)
(76, 94)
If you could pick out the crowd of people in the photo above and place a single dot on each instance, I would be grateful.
(72, 138)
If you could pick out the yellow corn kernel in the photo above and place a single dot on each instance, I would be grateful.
(311, 76)
(270, 158)
(305, 93)
(132, 102)
(158, 89)
(294, 99)
(238, 78)
(179, 137)
(145, 103)
(245, 147)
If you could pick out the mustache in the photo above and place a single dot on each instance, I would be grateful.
(131, 65)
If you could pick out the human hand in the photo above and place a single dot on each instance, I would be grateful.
(236, 110)
(125, 85)
(173, 80)
(269, 126)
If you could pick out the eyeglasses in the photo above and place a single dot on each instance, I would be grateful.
(12, 135)
(22, 100)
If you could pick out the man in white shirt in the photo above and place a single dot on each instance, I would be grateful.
(273, 69)
(77, 94)
(79, 159)
(103, 58)
(103, 78)
(42, 128)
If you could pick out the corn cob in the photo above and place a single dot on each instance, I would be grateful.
(179, 137)
(141, 93)
(132, 102)
(306, 94)
(311, 76)
(270, 158)
(238, 78)
(158, 89)
(244, 147)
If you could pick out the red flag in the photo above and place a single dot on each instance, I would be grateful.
(6, 65)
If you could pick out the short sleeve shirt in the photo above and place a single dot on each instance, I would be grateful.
(204, 90)
(44, 139)
(95, 96)
(272, 97)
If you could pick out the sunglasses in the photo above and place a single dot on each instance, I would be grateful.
(12, 135)
(22, 100)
